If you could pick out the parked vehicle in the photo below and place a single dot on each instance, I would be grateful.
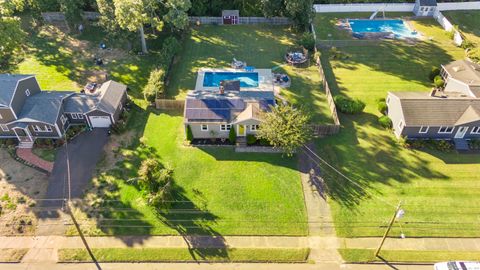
(457, 266)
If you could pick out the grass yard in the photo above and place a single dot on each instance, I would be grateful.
(45, 153)
(440, 191)
(261, 46)
(468, 22)
(325, 23)
(12, 255)
(218, 192)
(186, 255)
(367, 255)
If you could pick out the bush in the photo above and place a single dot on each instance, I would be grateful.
(434, 73)
(382, 107)
(438, 81)
(155, 85)
(251, 139)
(443, 145)
(416, 144)
(385, 121)
(307, 41)
(348, 105)
(171, 46)
(264, 142)
(189, 133)
(474, 144)
(232, 136)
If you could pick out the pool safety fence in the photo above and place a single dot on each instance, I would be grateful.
(242, 20)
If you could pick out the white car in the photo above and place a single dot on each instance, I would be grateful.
(457, 266)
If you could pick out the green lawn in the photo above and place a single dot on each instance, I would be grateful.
(45, 153)
(468, 22)
(325, 23)
(261, 46)
(440, 191)
(182, 254)
(367, 255)
(12, 255)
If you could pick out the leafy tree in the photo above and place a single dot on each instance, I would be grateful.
(11, 33)
(108, 22)
(301, 12)
(155, 84)
(438, 81)
(157, 180)
(72, 10)
(176, 15)
(286, 127)
(272, 8)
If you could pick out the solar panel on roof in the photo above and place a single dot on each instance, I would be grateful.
(216, 103)
(207, 114)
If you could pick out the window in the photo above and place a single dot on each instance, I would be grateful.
(37, 128)
(204, 127)
(27, 92)
(48, 128)
(63, 119)
(73, 115)
(1, 117)
(254, 127)
(225, 127)
(423, 129)
(80, 116)
(400, 125)
(475, 130)
(4, 127)
(388, 100)
(445, 130)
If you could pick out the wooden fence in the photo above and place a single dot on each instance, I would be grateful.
(60, 16)
(170, 104)
(242, 20)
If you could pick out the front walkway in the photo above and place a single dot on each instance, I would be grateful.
(27, 155)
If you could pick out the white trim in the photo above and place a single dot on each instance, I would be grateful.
(26, 132)
(225, 127)
(80, 116)
(445, 132)
(60, 134)
(400, 125)
(475, 130)
(254, 129)
(63, 119)
(1, 117)
(73, 115)
(423, 132)
(201, 127)
(4, 127)
(460, 135)
(27, 92)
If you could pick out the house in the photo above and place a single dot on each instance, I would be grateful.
(425, 8)
(449, 113)
(28, 113)
(211, 112)
(462, 76)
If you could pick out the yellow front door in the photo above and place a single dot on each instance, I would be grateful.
(241, 130)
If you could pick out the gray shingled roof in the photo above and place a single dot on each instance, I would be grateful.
(431, 3)
(111, 94)
(43, 106)
(80, 103)
(8, 83)
(420, 109)
(464, 71)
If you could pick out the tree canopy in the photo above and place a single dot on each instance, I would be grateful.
(11, 33)
(286, 127)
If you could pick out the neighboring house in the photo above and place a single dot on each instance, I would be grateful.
(452, 113)
(425, 8)
(27, 112)
(212, 111)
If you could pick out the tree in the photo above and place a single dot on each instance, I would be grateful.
(286, 127)
(176, 15)
(232, 136)
(157, 180)
(301, 12)
(189, 134)
(155, 85)
(11, 33)
(72, 10)
(108, 22)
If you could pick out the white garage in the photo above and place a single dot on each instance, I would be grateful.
(100, 121)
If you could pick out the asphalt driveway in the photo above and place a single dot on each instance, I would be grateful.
(84, 152)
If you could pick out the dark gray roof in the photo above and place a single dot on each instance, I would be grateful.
(111, 94)
(431, 3)
(212, 109)
(80, 103)
(43, 106)
(8, 83)
(464, 71)
(421, 109)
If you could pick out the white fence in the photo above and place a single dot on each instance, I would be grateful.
(242, 20)
(392, 7)
(459, 6)
(448, 26)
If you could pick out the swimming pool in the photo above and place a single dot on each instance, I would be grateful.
(397, 27)
(247, 79)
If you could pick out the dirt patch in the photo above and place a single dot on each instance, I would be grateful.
(113, 149)
(20, 186)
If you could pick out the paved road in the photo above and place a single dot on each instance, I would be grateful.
(84, 152)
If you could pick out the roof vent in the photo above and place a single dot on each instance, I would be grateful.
(458, 68)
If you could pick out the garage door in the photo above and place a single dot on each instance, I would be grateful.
(100, 121)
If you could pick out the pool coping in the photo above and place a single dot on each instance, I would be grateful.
(344, 25)
(265, 78)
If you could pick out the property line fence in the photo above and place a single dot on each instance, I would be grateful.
(348, 43)
(391, 7)
(448, 26)
(60, 16)
(170, 104)
(242, 20)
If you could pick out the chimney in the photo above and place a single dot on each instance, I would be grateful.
(222, 90)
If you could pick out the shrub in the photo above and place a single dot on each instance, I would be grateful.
(385, 121)
(443, 145)
(416, 144)
(348, 105)
(155, 85)
(382, 107)
(232, 136)
(474, 144)
(189, 133)
(170, 48)
(307, 41)
(438, 81)
(434, 73)
(251, 139)
(264, 142)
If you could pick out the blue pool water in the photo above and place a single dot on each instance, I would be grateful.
(397, 27)
(247, 79)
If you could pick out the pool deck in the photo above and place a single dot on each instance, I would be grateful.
(265, 79)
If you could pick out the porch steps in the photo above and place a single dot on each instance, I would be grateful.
(461, 145)
(241, 142)
(26, 145)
